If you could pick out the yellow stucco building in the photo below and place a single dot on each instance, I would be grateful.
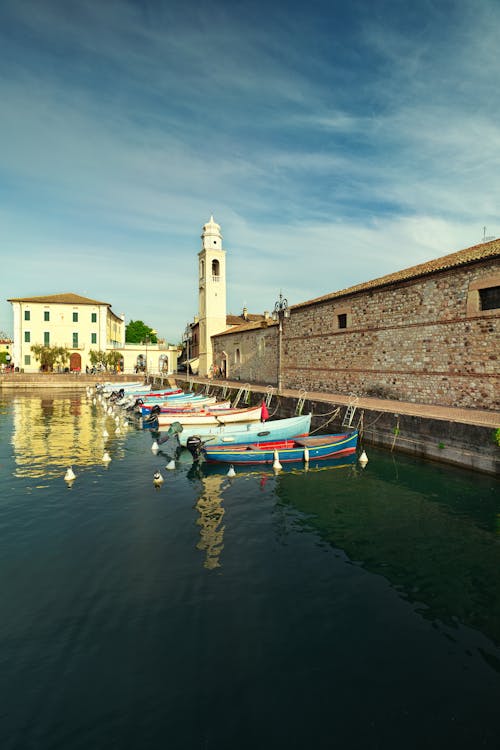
(81, 325)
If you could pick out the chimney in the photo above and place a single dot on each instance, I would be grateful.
(245, 313)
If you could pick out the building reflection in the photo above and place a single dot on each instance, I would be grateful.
(211, 511)
(52, 433)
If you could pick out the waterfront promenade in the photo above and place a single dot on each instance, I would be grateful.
(463, 437)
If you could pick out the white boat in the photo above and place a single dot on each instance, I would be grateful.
(222, 416)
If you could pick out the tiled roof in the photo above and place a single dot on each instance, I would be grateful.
(235, 320)
(461, 258)
(249, 326)
(60, 299)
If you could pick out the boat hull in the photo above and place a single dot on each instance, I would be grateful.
(253, 414)
(287, 451)
(235, 434)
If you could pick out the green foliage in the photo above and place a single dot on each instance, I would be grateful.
(97, 357)
(49, 356)
(496, 436)
(441, 446)
(113, 358)
(136, 332)
(105, 359)
(3, 358)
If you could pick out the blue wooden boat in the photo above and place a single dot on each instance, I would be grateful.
(304, 449)
(251, 432)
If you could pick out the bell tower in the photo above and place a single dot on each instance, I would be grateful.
(212, 291)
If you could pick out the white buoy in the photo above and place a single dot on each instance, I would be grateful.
(106, 457)
(231, 472)
(171, 465)
(105, 433)
(155, 446)
(157, 479)
(306, 455)
(363, 459)
(70, 475)
(276, 464)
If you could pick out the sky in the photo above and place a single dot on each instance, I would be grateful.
(333, 141)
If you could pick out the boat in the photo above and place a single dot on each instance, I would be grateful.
(192, 404)
(305, 449)
(204, 417)
(277, 429)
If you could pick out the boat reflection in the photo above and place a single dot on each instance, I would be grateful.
(51, 432)
(205, 469)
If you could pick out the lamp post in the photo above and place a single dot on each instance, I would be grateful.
(148, 341)
(280, 312)
(187, 337)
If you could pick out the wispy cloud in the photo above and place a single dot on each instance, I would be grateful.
(332, 147)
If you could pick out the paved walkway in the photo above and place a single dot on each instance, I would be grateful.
(478, 417)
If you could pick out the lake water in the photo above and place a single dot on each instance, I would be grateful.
(335, 607)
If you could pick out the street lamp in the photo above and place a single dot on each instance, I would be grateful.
(280, 312)
(148, 341)
(187, 337)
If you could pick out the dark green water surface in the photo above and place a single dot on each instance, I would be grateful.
(335, 607)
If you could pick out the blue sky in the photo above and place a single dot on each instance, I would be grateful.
(333, 141)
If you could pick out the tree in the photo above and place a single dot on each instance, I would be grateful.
(48, 356)
(3, 358)
(113, 358)
(98, 358)
(136, 332)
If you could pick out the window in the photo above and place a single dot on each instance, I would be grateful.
(75, 317)
(237, 357)
(93, 338)
(27, 359)
(46, 338)
(215, 270)
(27, 337)
(342, 320)
(490, 298)
(27, 315)
(46, 315)
(94, 318)
(75, 338)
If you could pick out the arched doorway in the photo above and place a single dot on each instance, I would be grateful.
(75, 362)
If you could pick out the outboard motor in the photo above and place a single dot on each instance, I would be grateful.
(153, 415)
(194, 444)
(136, 406)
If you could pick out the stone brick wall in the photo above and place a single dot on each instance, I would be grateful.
(414, 341)
(256, 362)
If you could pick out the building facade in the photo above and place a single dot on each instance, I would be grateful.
(427, 334)
(81, 325)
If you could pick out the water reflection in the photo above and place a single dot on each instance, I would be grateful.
(430, 530)
(52, 432)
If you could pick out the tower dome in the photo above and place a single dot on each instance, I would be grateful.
(211, 238)
(211, 227)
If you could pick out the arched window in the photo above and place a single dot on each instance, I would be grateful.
(237, 357)
(202, 269)
(215, 270)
